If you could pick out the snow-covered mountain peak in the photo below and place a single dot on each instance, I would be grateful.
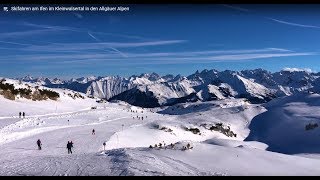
(27, 78)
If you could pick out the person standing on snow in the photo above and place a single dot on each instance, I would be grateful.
(39, 144)
(93, 132)
(104, 146)
(69, 147)
(23, 114)
(19, 114)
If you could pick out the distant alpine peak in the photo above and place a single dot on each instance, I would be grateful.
(27, 78)
(152, 77)
(85, 79)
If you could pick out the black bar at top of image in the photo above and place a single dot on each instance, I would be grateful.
(156, 1)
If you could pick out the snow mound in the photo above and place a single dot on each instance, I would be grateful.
(283, 127)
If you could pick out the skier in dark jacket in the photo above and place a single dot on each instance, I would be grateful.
(104, 146)
(23, 114)
(69, 147)
(19, 114)
(93, 132)
(39, 144)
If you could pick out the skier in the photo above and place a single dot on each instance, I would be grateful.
(39, 144)
(69, 147)
(23, 114)
(188, 146)
(93, 132)
(104, 146)
(19, 114)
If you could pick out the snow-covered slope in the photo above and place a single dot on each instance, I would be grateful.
(283, 126)
(68, 101)
(211, 111)
(228, 134)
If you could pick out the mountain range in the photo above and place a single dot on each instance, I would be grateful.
(153, 90)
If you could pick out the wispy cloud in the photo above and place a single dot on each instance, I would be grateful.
(15, 43)
(62, 28)
(161, 58)
(93, 37)
(119, 52)
(206, 53)
(82, 30)
(112, 48)
(224, 58)
(257, 56)
(26, 33)
(96, 46)
(235, 7)
(292, 24)
(280, 49)
(273, 19)
(48, 29)
(182, 60)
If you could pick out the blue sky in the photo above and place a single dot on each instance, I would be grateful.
(166, 39)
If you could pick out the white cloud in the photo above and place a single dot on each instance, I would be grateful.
(297, 70)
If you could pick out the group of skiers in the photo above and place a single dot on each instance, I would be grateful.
(23, 114)
(69, 144)
(171, 146)
(138, 117)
